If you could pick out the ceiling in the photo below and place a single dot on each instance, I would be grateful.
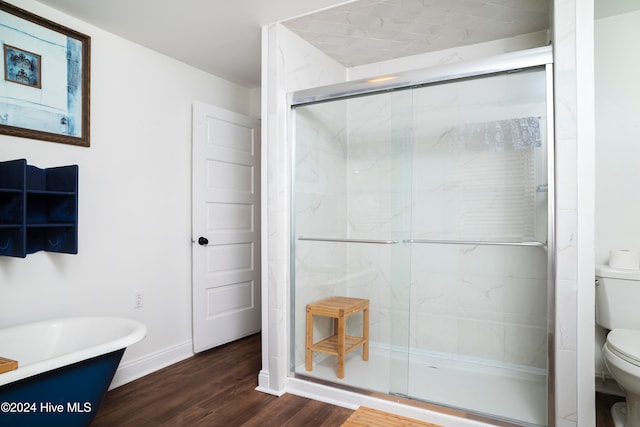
(223, 37)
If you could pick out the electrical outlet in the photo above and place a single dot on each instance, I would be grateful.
(138, 299)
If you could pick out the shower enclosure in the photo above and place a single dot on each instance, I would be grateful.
(431, 197)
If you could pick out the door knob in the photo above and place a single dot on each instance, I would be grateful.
(203, 241)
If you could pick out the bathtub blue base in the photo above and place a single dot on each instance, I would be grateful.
(66, 397)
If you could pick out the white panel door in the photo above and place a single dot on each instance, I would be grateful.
(226, 226)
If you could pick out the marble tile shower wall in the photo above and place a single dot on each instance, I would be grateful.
(320, 211)
(484, 302)
(379, 200)
(378, 179)
(355, 202)
(481, 302)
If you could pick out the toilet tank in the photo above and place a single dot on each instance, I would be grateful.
(617, 298)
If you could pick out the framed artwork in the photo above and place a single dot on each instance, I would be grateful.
(44, 90)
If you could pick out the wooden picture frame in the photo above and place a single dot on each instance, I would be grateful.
(44, 90)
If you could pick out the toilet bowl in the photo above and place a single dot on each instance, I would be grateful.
(621, 355)
(617, 294)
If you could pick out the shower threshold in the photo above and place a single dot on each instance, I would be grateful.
(494, 392)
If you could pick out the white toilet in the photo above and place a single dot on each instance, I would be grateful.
(618, 309)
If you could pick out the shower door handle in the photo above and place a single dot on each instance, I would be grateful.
(203, 241)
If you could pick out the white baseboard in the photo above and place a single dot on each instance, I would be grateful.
(264, 387)
(353, 400)
(134, 369)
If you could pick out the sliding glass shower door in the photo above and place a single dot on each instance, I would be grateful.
(351, 213)
(431, 202)
(478, 246)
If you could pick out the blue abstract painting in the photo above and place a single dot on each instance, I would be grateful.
(44, 80)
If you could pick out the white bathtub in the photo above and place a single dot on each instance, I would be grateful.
(64, 364)
(50, 344)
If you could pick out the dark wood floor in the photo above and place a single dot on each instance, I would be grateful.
(214, 388)
(603, 409)
(217, 388)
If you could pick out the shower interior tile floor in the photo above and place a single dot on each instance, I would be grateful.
(494, 392)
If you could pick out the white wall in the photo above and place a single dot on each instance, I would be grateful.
(617, 95)
(134, 196)
(617, 106)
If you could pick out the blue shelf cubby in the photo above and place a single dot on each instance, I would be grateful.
(38, 209)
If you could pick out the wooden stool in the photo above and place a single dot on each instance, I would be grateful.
(339, 344)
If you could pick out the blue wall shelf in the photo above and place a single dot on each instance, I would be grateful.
(38, 209)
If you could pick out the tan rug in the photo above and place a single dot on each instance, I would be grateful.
(367, 417)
